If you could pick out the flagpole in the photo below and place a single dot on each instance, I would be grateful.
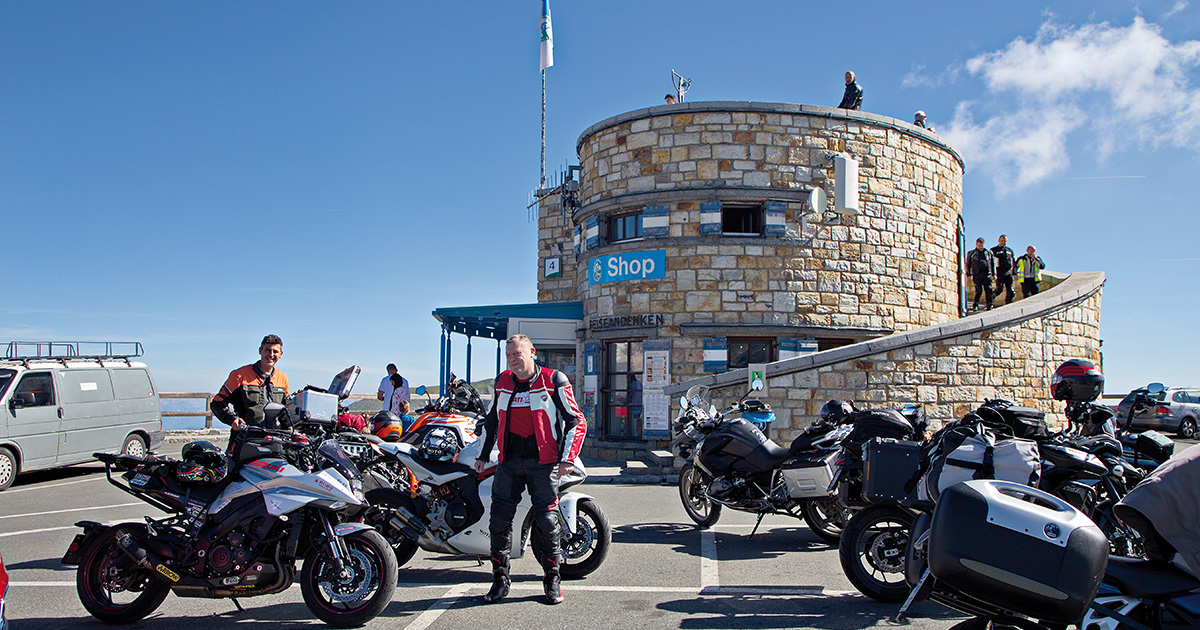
(543, 178)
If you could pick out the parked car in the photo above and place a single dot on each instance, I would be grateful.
(1178, 411)
(62, 401)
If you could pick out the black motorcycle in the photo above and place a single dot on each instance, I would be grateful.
(730, 463)
(238, 532)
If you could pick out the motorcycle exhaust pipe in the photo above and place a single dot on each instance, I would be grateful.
(408, 523)
(145, 559)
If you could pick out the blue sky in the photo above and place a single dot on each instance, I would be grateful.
(195, 175)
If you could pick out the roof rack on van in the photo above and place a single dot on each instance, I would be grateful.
(26, 351)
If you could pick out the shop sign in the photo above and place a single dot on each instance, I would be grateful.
(644, 265)
(626, 321)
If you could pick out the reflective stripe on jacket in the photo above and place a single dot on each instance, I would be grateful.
(1025, 266)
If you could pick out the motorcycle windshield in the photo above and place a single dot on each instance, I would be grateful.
(334, 454)
(697, 395)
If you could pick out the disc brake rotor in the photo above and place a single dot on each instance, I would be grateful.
(356, 585)
(577, 545)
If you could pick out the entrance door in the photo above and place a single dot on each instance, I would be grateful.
(621, 392)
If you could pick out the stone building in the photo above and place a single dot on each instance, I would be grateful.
(698, 242)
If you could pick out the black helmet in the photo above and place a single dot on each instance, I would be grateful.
(202, 462)
(833, 410)
(1077, 381)
(387, 426)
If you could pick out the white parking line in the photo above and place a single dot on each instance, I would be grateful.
(459, 591)
(84, 509)
(12, 491)
(710, 579)
(426, 619)
(37, 531)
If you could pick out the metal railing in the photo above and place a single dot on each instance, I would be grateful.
(206, 413)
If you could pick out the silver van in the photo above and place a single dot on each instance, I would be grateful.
(62, 401)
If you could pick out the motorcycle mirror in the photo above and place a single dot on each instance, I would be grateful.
(683, 401)
(273, 410)
(421, 390)
(757, 385)
(1155, 388)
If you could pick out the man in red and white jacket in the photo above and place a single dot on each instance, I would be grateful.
(538, 431)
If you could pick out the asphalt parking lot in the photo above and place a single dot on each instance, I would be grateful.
(662, 572)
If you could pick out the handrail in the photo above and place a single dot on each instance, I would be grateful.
(207, 411)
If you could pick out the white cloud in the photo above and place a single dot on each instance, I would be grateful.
(1126, 86)
(1179, 6)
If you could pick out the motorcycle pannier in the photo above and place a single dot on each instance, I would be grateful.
(1026, 423)
(1017, 548)
(809, 476)
(888, 465)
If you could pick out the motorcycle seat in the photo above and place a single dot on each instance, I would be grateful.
(769, 455)
(1148, 579)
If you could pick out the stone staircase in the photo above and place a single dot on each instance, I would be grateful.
(639, 462)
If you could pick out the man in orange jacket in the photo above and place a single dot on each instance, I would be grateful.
(249, 388)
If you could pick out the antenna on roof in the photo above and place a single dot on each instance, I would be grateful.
(681, 85)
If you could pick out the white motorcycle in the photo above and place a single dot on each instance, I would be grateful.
(447, 507)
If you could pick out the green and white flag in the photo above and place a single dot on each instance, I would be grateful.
(547, 37)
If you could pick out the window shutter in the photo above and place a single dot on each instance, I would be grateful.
(716, 354)
(655, 221)
(593, 232)
(792, 348)
(774, 214)
(710, 217)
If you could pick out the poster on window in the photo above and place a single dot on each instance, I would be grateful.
(656, 418)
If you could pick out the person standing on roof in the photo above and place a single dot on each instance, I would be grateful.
(537, 431)
(852, 97)
(243, 398)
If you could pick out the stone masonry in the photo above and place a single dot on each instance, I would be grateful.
(1010, 352)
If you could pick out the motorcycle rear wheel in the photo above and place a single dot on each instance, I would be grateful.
(349, 601)
(111, 587)
(698, 506)
(826, 518)
(872, 552)
(383, 501)
(585, 550)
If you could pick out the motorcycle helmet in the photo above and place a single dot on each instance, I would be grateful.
(834, 410)
(440, 445)
(202, 462)
(1077, 381)
(387, 426)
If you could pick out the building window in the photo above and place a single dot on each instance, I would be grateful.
(743, 352)
(624, 227)
(741, 219)
(621, 393)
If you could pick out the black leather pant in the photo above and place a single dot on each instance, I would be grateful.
(514, 476)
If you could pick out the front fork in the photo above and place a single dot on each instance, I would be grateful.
(337, 547)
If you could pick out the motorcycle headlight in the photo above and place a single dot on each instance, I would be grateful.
(356, 485)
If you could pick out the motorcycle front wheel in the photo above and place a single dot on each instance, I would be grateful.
(357, 595)
(872, 552)
(826, 518)
(584, 551)
(696, 503)
(111, 586)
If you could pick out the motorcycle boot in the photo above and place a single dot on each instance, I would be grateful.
(553, 580)
(500, 580)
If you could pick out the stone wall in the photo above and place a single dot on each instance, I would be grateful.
(891, 267)
(1009, 352)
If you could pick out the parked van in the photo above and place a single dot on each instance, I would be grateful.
(59, 404)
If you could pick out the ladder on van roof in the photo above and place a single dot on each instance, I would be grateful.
(63, 351)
